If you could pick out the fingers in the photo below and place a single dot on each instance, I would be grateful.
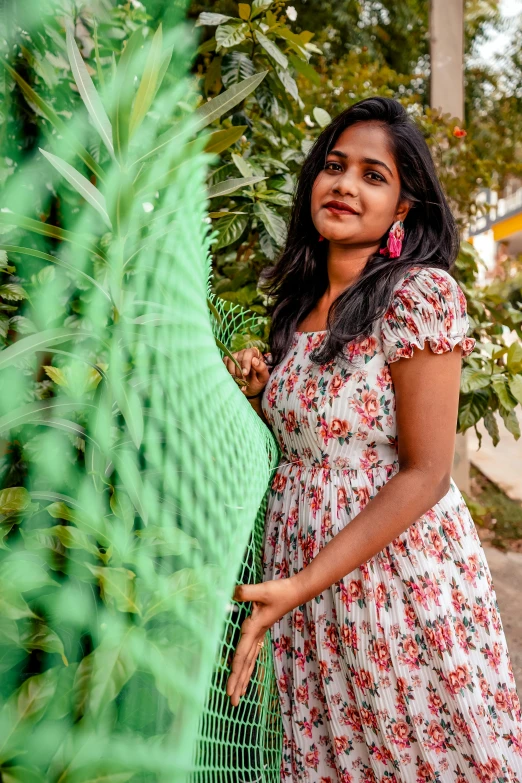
(242, 667)
(249, 359)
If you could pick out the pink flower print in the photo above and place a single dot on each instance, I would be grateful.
(380, 655)
(301, 694)
(341, 744)
(502, 701)
(471, 569)
(324, 429)
(380, 595)
(348, 631)
(363, 496)
(409, 616)
(441, 344)
(410, 654)
(363, 680)
(361, 434)
(490, 771)
(457, 680)
(291, 382)
(461, 725)
(298, 620)
(299, 659)
(308, 546)
(352, 718)
(484, 687)
(368, 718)
(316, 495)
(434, 703)
(450, 529)
(335, 385)
(307, 397)
(342, 499)
(437, 737)
(401, 734)
(370, 405)
(425, 772)
(331, 640)
(326, 524)
(368, 346)
(271, 395)
(279, 482)
(384, 379)
(283, 682)
(345, 777)
(290, 420)
(282, 645)
(458, 601)
(467, 345)
(480, 615)
(411, 325)
(370, 458)
(340, 429)
(414, 538)
(493, 656)
(437, 544)
(311, 758)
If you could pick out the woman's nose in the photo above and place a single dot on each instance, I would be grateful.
(346, 184)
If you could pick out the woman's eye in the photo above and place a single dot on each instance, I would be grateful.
(380, 178)
(332, 163)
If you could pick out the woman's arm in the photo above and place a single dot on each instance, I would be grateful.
(255, 402)
(427, 395)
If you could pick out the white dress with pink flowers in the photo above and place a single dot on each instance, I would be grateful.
(399, 672)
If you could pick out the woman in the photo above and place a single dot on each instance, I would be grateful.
(390, 656)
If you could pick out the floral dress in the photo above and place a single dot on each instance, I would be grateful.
(399, 672)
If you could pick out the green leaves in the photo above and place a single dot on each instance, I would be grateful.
(148, 84)
(228, 35)
(229, 228)
(82, 185)
(14, 500)
(117, 585)
(88, 92)
(272, 50)
(273, 223)
(231, 186)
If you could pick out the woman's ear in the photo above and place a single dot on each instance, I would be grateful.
(402, 210)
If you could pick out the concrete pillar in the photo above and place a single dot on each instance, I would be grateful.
(447, 56)
(447, 95)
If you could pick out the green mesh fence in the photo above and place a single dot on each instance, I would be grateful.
(134, 473)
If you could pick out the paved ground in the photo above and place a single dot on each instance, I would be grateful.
(506, 570)
(503, 463)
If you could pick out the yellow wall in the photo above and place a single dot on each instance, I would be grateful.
(505, 228)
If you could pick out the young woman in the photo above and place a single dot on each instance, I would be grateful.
(390, 656)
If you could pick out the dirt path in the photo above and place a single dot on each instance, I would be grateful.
(506, 570)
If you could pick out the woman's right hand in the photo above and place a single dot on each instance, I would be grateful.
(254, 370)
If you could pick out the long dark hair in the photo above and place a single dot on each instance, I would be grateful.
(299, 277)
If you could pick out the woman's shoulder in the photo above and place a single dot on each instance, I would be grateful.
(427, 303)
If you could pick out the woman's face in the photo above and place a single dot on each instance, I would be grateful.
(359, 172)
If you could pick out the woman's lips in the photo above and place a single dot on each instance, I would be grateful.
(339, 211)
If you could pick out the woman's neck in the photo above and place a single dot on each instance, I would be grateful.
(344, 266)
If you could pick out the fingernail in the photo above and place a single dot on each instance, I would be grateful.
(245, 371)
(255, 361)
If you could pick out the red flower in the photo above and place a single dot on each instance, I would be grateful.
(459, 133)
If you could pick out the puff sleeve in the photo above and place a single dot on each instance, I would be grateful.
(427, 305)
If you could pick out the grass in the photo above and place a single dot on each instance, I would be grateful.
(498, 518)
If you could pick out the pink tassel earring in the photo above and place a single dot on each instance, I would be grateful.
(393, 247)
(321, 238)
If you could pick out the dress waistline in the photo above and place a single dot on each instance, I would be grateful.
(347, 468)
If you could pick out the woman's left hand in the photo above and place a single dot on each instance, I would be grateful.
(270, 601)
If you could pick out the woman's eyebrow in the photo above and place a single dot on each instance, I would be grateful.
(372, 161)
